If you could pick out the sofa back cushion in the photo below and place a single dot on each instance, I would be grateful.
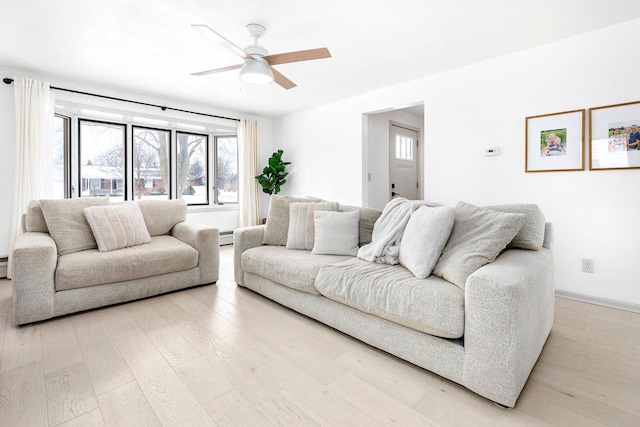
(161, 215)
(531, 235)
(34, 219)
(276, 229)
(368, 217)
(67, 223)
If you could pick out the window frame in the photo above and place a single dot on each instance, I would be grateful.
(169, 186)
(207, 167)
(216, 200)
(66, 147)
(125, 160)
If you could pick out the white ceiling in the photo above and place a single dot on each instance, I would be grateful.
(148, 46)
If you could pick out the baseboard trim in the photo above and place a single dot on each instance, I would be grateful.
(226, 239)
(621, 305)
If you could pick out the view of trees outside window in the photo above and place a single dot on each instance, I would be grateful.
(102, 172)
(57, 157)
(191, 168)
(151, 171)
(227, 169)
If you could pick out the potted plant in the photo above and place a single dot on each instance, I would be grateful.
(273, 176)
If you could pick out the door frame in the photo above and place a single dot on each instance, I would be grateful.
(419, 159)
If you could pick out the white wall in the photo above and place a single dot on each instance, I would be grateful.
(225, 218)
(377, 142)
(594, 213)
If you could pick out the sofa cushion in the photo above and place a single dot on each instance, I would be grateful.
(301, 234)
(531, 235)
(277, 226)
(117, 226)
(165, 254)
(424, 238)
(161, 215)
(34, 220)
(336, 233)
(68, 225)
(293, 269)
(368, 218)
(477, 238)
(432, 305)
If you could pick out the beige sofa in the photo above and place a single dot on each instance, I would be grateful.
(486, 336)
(47, 284)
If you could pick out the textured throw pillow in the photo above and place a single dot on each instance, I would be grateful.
(531, 235)
(67, 224)
(336, 233)
(117, 226)
(277, 226)
(301, 234)
(424, 238)
(477, 238)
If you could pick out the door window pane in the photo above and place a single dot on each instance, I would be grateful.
(151, 165)
(192, 180)
(102, 171)
(227, 169)
(404, 148)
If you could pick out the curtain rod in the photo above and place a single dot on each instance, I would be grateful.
(162, 107)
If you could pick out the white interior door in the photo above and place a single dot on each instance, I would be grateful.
(403, 162)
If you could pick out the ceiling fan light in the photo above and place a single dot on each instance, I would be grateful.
(257, 72)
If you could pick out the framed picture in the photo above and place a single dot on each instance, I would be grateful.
(615, 136)
(555, 142)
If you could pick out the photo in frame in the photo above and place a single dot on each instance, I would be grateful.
(555, 142)
(614, 136)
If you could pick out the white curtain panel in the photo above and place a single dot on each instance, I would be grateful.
(249, 196)
(34, 121)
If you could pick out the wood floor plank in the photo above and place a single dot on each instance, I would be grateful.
(168, 396)
(22, 346)
(231, 409)
(371, 400)
(106, 366)
(205, 382)
(90, 419)
(22, 396)
(3, 328)
(69, 393)
(127, 406)
(60, 347)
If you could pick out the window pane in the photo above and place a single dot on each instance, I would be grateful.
(102, 172)
(404, 148)
(58, 143)
(151, 163)
(227, 169)
(192, 168)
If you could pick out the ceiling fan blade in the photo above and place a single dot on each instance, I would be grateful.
(217, 70)
(300, 55)
(282, 80)
(221, 40)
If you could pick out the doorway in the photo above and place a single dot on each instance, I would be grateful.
(403, 162)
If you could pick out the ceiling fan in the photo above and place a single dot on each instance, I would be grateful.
(258, 64)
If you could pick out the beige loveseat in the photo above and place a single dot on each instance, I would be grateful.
(485, 335)
(47, 283)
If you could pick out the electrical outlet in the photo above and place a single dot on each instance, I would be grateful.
(587, 265)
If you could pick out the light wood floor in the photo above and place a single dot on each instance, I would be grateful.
(222, 355)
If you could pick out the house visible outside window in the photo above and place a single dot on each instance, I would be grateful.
(151, 163)
(102, 159)
(191, 168)
(226, 169)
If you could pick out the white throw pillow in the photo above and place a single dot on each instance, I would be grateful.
(337, 233)
(301, 233)
(117, 226)
(424, 238)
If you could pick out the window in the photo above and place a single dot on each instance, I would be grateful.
(404, 147)
(191, 168)
(151, 163)
(226, 169)
(102, 159)
(59, 153)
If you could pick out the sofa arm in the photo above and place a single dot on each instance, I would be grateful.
(35, 257)
(243, 239)
(206, 240)
(508, 316)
